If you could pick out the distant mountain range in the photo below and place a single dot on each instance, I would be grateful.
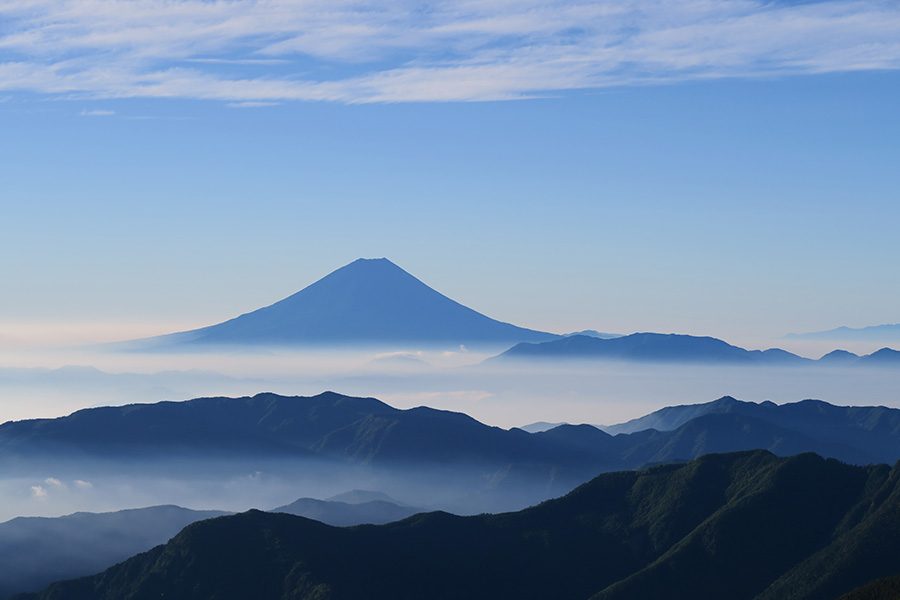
(367, 302)
(885, 333)
(739, 526)
(361, 496)
(677, 348)
(594, 333)
(375, 303)
(540, 426)
(36, 551)
(366, 433)
(342, 514)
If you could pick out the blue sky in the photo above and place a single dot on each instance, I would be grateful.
(722, 168)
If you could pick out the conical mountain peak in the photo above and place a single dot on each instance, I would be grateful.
(370, 301)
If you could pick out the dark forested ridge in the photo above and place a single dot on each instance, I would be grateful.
(739, 526)
(367, 431)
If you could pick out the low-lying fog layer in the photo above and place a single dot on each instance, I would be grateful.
(53, 488)
(47, 384)
(503, 394)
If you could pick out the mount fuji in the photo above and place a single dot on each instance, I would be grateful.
(367, 302)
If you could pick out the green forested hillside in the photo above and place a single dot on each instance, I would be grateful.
(743, 525)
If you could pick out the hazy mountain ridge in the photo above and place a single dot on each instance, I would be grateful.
(328, 433)
(342, 514)
(365, 433)
(539, 426)
(368, 431)
(650, 347)
(622, 535)
(885, 332)
(870, 433)
(679, 348)
(671, 417)
(35, 551)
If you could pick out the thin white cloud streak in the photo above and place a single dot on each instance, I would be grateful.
(271, 50)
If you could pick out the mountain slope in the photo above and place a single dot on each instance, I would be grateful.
(866, 547)
(35, 551)
(883, 357)
(369, 301)
(649, 347)
(720, 526)
(673, 417)
(887, 588)
(858, 434)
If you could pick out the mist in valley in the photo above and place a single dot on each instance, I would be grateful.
(51, 382)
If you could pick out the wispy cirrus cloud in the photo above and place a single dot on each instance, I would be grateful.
(97, 112)
(252, 53)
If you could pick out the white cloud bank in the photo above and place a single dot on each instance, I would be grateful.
(248, 52)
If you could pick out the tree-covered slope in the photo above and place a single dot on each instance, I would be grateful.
(720, 526)
(887, 588)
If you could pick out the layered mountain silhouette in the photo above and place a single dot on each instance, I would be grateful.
(478, 466)
(539, 426)
(366, 433)
(811, 416)
(368, 302)
(885, 356)
(740, 526)
(342, 514)
(887, 332)
(358, 496)
(840, 357)
(594, 333)
(678, 348)
(856, 434)
(35, 551)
